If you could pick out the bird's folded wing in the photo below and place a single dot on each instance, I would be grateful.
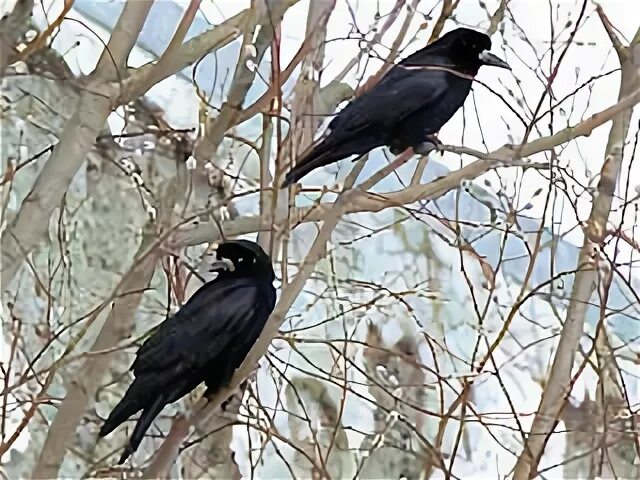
(215, 319)
(398, 95)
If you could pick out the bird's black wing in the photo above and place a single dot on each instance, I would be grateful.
(218, 319)
(403, 91)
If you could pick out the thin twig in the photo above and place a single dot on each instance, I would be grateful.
(558, 385)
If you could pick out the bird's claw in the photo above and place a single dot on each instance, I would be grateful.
(396, 150)
(430, 144)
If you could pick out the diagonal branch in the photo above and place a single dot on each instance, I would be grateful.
(167, 454)
(177, 59)
(13, 25)
(448, 6)
(81, 390)
(558, 386)
(31, 224)
(621, 50)
(243, 77)
(119, 323)
(368, 202)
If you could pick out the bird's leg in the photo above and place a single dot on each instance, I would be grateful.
(431, 143)
(396, 149)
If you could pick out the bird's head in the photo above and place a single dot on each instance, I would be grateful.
(242, 258)
(469, 49)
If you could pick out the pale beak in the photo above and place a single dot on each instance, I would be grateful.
(488, 58)
(223, 264)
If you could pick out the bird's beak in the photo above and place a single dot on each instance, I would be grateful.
(223, 264)
(488, 58)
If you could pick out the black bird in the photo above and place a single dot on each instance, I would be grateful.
(205, 341)
(409, 104)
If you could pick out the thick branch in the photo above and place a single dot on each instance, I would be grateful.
(82, 389)
(30, 225)
(12, 26)
(118, 325)
(177, 59)
(448, 6)
(558, 385)
(366, 202)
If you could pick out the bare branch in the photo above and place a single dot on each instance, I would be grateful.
(558, 385)
(118, 325)
(448, 6)
(30, 225)
(497, 17)
(366, 202)
(82, 389)
(166, 455)
(243, 76)
(12, 26)
(621, 50)
(392, 17)
(306, 108)
(143, 78)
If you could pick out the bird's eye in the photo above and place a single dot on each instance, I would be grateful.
(240, 259)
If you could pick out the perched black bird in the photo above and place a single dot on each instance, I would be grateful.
(205, 341)
(409, 104)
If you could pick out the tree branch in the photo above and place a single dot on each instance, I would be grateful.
(12, 27)
(118, 325)
(448, 6)
(176, 60)
(243, 77)
(167, 454)
(306, 108)
(30, 225)
(368, 202)
(558, 386)
(82, 389)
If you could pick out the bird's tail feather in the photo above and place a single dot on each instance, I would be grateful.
(143, 424)
(129, 405)
(306, 166)
(328, 152)
(319, 156)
